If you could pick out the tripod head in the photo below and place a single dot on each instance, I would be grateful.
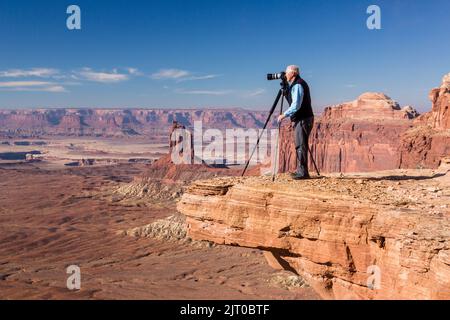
(285, 90)
(284, 86)
(283, 80)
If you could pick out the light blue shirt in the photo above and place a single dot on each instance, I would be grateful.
(297, 99)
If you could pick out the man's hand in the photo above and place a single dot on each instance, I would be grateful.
(281, 117)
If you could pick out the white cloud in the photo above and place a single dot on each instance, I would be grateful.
(11, 84)
(134, 71)
(31, 86)
(55, 88)
(205, 92)
(170, 74)
(193, 78)
(58, 84)
(180, 75)
(103, 77)
(35, 72)
(71, 83)
(256, 92)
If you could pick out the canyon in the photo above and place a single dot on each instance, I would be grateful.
(119, 224)
(77, 216)
(375, 225)
(149, 123)
(370, 133)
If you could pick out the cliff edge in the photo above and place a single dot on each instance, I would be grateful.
(386, 236)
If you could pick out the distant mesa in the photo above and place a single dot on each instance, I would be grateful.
(374, 96)
(370, 105)
(120, 123)
(376, 100)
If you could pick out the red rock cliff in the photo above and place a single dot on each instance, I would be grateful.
(381, 238)
(441, 104)
(373, 133)
(428, 141)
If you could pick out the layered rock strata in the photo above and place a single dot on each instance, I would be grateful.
(362, 238)
(120, 122)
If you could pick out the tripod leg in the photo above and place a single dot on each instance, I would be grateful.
(274, 105)
(275, 166)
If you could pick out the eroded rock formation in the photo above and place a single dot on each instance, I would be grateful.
(374, 238)
(373, 133)
(362, 135)
(429, 140)
(166, 178)
(440, 98)
(369, 105)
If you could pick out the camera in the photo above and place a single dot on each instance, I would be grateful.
(276, 76)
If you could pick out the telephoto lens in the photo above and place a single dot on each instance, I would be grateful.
(276, 76)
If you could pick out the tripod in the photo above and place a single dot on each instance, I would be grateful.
(281, 94)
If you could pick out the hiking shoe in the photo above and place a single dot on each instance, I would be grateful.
(297, 176)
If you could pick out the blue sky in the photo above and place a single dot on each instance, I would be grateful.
(192, 53)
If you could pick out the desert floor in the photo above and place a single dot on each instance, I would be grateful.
(53, 218)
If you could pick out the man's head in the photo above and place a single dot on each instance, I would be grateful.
(291, 72)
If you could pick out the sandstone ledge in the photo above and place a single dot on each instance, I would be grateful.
(331, 230)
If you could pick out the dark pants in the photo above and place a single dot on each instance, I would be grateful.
(302, 129)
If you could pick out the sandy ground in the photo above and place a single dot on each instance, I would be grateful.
(50, 219)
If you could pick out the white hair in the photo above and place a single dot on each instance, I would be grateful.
(293, 68)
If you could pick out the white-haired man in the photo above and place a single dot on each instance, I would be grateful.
(301, 114)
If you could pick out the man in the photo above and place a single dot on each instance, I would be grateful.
(302, 117)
